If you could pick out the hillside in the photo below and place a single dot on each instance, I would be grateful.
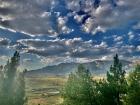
(97, 67)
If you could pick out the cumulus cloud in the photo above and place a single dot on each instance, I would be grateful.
(44, 16)
(131, 35)
(107, 15)
(39, 18)
(138, 47)
(118, 38)
(4, 41)
(65, 47)
(74, 48)
(32, 17)
(137, 26)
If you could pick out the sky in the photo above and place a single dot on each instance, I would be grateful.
(49, 32)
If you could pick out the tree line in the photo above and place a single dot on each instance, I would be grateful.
(115, 89)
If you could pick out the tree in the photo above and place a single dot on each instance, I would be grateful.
(79, 89)
(133, 96)
(10, 82)
(20, 98)
(114, 88)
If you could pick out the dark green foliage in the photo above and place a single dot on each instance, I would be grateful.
(133, 96)
(114, 88)
(79, 89)
(20, 90)
(12, 83)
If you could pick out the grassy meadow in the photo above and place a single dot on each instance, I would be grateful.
(44, 90)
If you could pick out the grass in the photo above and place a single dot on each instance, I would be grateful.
(44, 90)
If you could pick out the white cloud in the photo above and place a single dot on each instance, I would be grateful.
(118, 38)
(131, 35)
(4, 41)
(108, 17)
(37, 16)
(102, 45)
(138, 48)
(30, 16)
(137, 26)
(75, 47)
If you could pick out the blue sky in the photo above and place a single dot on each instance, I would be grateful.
(48, 32)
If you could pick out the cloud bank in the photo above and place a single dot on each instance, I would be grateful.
(54, 31)
(49, 17)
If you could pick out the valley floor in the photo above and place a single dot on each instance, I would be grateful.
(44, 90)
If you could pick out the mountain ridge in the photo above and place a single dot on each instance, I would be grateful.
(96, 67)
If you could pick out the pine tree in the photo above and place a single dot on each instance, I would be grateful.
(114, 88)
(20, 98)
(133, 96)
(9, 80)
(9, 74)
(79, 89)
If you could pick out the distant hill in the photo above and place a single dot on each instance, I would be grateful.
(96, 67)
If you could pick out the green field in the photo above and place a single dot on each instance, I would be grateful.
(44, 90)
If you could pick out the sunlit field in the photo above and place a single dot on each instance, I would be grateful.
(44, 90)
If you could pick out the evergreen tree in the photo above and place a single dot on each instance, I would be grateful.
(20, 98)
(10, 82)
(114, 88)
(79, 89)
(133, 96)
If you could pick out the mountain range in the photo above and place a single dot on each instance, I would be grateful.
(97, 67)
